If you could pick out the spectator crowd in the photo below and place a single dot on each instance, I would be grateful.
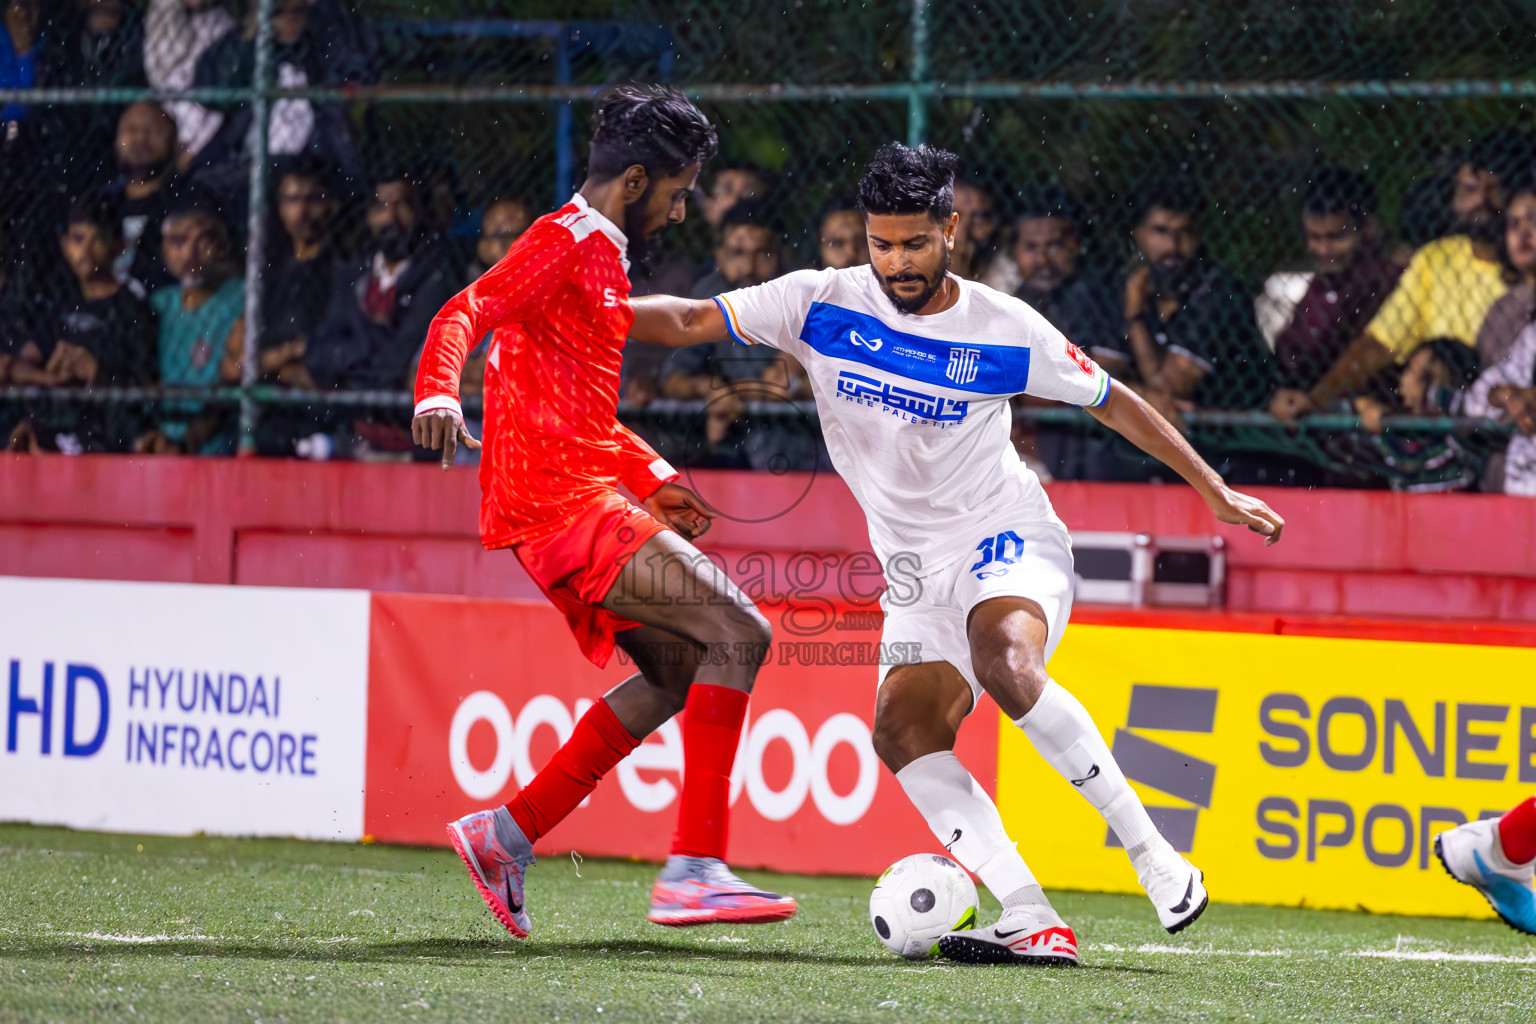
(124, 267)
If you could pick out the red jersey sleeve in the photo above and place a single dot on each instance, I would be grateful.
(640, 468)
(513, 291)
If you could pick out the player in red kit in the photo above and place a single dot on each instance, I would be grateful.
(553, 459)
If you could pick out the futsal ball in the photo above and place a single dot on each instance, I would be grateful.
(919, 899)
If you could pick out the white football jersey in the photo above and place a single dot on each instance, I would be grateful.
(915, 409)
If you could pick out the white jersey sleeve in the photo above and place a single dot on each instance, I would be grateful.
(772, 313)
(1061, 371)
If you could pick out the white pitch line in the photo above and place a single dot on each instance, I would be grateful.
(1441, 956)
(135, 939)
(1151, 947)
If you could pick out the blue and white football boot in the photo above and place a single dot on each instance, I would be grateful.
(1472, 855)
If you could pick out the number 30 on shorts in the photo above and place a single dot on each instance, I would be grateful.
(1004, 547)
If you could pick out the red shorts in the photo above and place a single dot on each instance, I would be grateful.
(577, 564)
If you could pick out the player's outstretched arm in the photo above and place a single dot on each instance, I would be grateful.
(677, 323)
(1128, 415)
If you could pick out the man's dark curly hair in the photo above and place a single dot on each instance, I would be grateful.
(1338, 190)
(900, 179)
(654, 126)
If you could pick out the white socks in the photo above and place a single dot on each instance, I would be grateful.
(966, 823)
(1064, 734)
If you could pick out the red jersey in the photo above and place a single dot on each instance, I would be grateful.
(558, 303)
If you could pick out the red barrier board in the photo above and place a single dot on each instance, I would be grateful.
(468, 698)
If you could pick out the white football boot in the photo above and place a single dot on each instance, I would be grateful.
(1023, 935)
(1175, 886)
(1472, 855)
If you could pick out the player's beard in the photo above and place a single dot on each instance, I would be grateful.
(641, 247)
(931, 286)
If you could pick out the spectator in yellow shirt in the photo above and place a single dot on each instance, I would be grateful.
(1449, 284)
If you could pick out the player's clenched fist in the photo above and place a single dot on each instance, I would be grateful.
(680, 509)
(442, 429)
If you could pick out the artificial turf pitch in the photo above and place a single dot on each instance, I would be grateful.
(113, 927)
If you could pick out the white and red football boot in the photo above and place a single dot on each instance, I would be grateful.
(1023, 935)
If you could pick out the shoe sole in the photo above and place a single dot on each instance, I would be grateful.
(491, 900)
(1174, 929)
(1440, 856)
(754, 915)
(974, 951)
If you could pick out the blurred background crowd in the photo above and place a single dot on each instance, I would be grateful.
(1319, 283)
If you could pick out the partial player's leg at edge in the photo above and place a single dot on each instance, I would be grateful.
(1497, 857)
(657, 588)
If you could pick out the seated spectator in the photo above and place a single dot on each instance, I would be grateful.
(1447, 288)
(976, 236)
(747, 253)
(1516, 308)
(302, 264)
(1506, 391)
(841, 240)
(145, 188)
(1309, 317)
(502, 223)
(727, 375)
(733, 183)
(92, 44)
(378, 314)
(1079, 301)
(176, 35)
(98, 44)
(201, 330)
(313, 44)
(1189, 324)
(1434, 382)
(99, 332)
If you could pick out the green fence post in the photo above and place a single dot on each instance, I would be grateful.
(917, 95)
(256, 225)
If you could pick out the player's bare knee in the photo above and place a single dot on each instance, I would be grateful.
(747, 631)
(899, 738)
(1014, 676)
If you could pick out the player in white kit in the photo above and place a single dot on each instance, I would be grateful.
(913, 370)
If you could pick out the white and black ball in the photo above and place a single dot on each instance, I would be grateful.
(919, 899)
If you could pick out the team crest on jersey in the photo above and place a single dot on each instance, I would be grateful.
(1080, 357)
(963, 363)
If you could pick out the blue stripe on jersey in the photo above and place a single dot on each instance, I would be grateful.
(964, 366)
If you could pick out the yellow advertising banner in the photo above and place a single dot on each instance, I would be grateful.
(1296, 771)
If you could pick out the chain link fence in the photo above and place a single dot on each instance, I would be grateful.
(197, 194)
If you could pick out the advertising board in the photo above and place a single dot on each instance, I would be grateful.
(171, 708)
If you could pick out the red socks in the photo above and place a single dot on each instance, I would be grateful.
(598, 742)
(1517, 832)
(711, 731)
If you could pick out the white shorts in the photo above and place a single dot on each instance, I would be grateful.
(1030, 559)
